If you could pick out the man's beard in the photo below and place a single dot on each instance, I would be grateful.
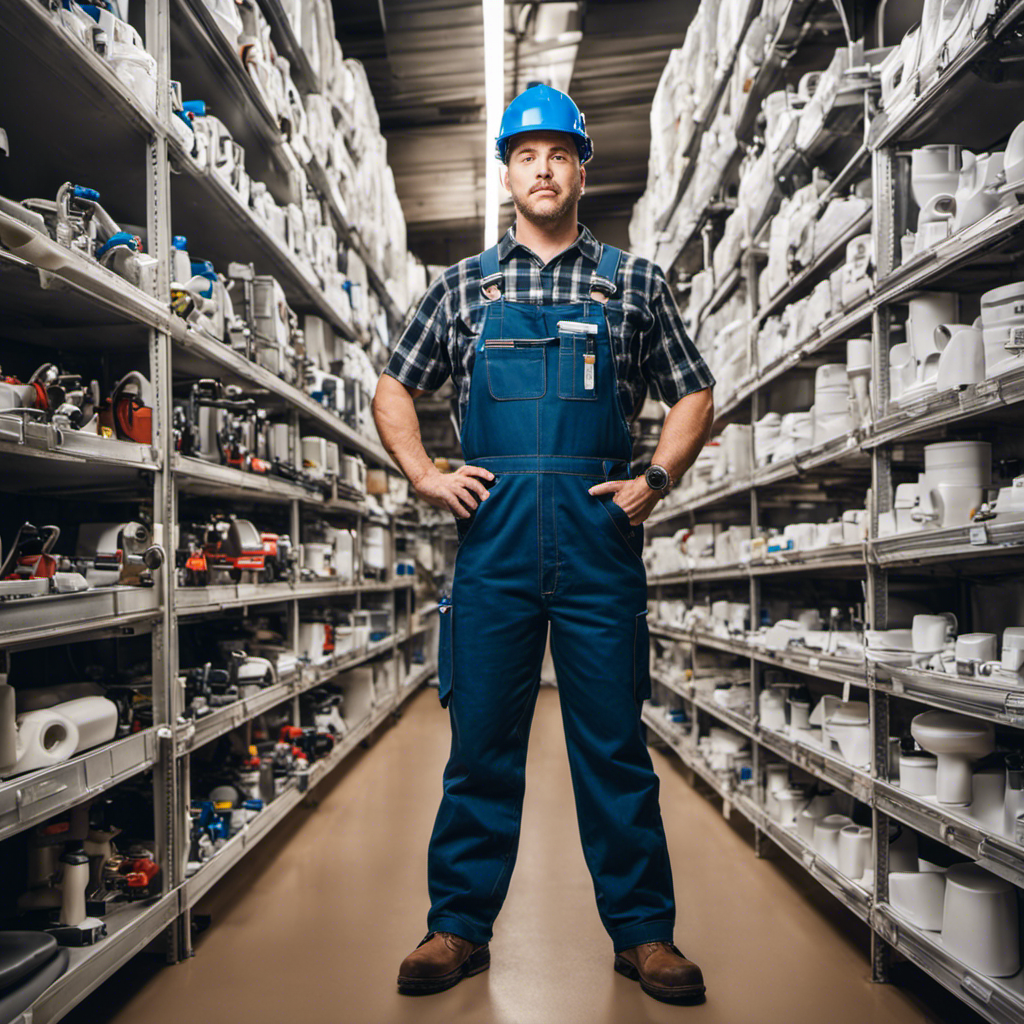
(551, 214)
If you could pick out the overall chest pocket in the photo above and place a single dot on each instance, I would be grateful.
(516, 368)
(577, 364)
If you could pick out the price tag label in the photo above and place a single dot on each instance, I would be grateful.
(814, 664)
(897, 685)
(979, 535)
(726, 808)
(846, 692)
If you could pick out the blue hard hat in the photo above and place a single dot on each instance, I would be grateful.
(543, 109)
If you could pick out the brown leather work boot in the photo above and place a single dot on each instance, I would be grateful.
(663, 972)
(441, 960)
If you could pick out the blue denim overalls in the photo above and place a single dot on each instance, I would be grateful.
(544, 417)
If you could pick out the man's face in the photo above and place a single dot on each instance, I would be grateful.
(544, 175)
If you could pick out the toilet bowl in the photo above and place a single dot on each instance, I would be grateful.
(962, 360)
(942, 505)
(854, 850)
(918, 773)
(1004, 348)
(826, 836)
(919, 896)
(926, 313)
(933, 170)
(789, 803)
(957, 741)
(902, 370)
(935, 222)
(980, 921)
(974, 196)
(819, 807)
(848, 726)
(965, 463)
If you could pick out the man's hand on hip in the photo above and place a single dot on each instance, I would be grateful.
(634, 497)
(460, 492)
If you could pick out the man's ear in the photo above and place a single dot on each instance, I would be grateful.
(504, 178)
(583, 178)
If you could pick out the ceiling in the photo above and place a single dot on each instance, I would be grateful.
(425, 63)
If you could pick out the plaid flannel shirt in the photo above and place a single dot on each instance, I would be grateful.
(650, 345)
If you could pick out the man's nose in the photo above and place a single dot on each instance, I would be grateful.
(543, 170)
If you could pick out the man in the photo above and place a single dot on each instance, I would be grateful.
(551, 340)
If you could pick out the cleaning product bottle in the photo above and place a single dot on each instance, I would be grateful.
(181, 265)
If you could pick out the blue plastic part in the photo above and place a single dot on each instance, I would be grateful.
(197, 107)
(204, 268)
(179, 242)
(182, 116)
(120, 238)
(541, 108)
(81, 192)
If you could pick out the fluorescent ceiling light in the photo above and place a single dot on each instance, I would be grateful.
(494, 95)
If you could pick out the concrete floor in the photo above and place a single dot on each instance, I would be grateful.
(313, 925)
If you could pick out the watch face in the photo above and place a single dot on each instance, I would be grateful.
(657, 478)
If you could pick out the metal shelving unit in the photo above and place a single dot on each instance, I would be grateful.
(983, 255)
(58, 297)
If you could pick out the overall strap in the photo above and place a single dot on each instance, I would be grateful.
(607, 270)
(490, 270)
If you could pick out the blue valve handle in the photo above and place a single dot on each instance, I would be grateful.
(196, 107)
(120, 238)
(81, 192)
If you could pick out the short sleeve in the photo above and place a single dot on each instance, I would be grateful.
(421, 359)
(672, 366)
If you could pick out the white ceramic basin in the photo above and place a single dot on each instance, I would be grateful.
(919, 897)
(957, 741)
(980, 921)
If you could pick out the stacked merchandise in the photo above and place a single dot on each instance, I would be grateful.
(206, 598)
(850, 276)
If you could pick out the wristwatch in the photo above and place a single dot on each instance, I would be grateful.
(657, 478)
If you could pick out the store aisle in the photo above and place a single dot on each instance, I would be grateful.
(314, 925)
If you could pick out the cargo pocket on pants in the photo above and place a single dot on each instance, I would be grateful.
(444, 651)
(641, 659)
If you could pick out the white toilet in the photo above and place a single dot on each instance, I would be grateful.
(957, 741)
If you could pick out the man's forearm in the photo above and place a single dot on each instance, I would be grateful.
(399, 428)
(686, 430)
